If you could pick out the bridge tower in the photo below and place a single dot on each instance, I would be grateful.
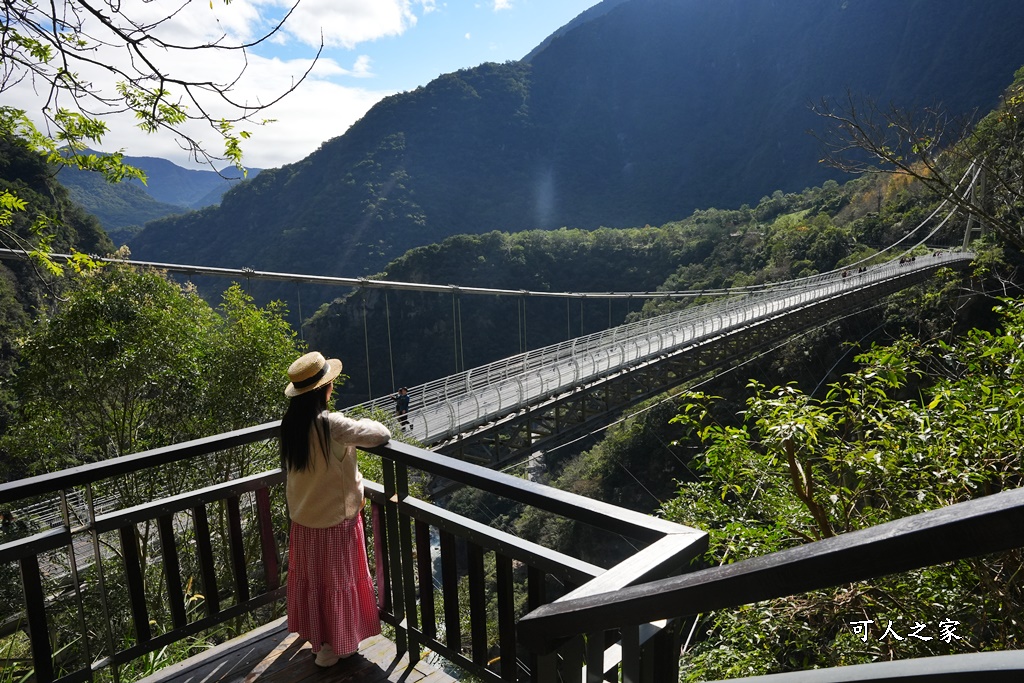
(975, 227)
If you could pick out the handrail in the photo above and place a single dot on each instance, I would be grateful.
(593, 512)
(127, 464)
(403, 571)
(969, 529)
(537, 495)
(991, 667)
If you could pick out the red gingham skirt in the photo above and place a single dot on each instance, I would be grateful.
(330, 593)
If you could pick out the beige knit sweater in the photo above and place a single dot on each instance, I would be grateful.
(328, 492)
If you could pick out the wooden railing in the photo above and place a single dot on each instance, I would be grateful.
(669, 548)
(93, 570)
(130, 581)
(970, 529)
(577, 621)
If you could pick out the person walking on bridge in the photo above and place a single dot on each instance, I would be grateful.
(331, 601)
(401, 400)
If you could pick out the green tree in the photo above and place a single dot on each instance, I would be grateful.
(916, 427)
(248, 350)
(92, 60)
(250, 347)
(131, 361)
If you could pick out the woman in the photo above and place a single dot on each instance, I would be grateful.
(331, 601)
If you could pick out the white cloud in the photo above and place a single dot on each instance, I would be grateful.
(317, 110)
(197, 22)
(361, 69)
(347, 23)
(469, 36)
(314, 113)
(307, 118)
(502, 4)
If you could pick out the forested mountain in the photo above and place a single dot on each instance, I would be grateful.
(123, 208)
(26, 289)
(398, 337)
(407, 338)
(905, 407)
(192, 188)
(392, 338)
(638, 113)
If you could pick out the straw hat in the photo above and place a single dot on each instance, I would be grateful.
(310, 372)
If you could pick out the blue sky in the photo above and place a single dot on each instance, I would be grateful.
(460, 34)
(373, 48)
(395, 51)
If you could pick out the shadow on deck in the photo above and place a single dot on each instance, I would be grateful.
(273, 655)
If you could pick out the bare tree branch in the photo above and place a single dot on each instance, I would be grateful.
(52, 45)
(933, 149)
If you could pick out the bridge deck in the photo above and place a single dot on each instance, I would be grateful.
(452, 406)
(272, 655)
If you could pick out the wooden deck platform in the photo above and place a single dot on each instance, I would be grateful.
(272, 655)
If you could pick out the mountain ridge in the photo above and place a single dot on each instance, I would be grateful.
(638, 115)
(123, 208)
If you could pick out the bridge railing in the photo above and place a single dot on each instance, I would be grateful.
(455, 404)
(102, 593)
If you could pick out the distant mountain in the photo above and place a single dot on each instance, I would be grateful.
(191, 188)
(638, 112)
(123, 208)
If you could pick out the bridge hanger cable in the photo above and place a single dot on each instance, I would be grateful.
(568, 321)
(521, 309)
(391, 355)
(457, 343)
(298, 297)
(455, 334)
(462, 345)
(818, 276)
(970, 186)
(366, 343)
(519, 322)
(943, 203)
(811, 278)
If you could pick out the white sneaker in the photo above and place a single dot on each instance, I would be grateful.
(327, 656)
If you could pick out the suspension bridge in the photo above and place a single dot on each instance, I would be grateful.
(507, 410)
(503, 411)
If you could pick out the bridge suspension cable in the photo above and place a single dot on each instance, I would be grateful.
(368, 283)
(356, 283)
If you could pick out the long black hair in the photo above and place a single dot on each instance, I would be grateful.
(302, 414)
